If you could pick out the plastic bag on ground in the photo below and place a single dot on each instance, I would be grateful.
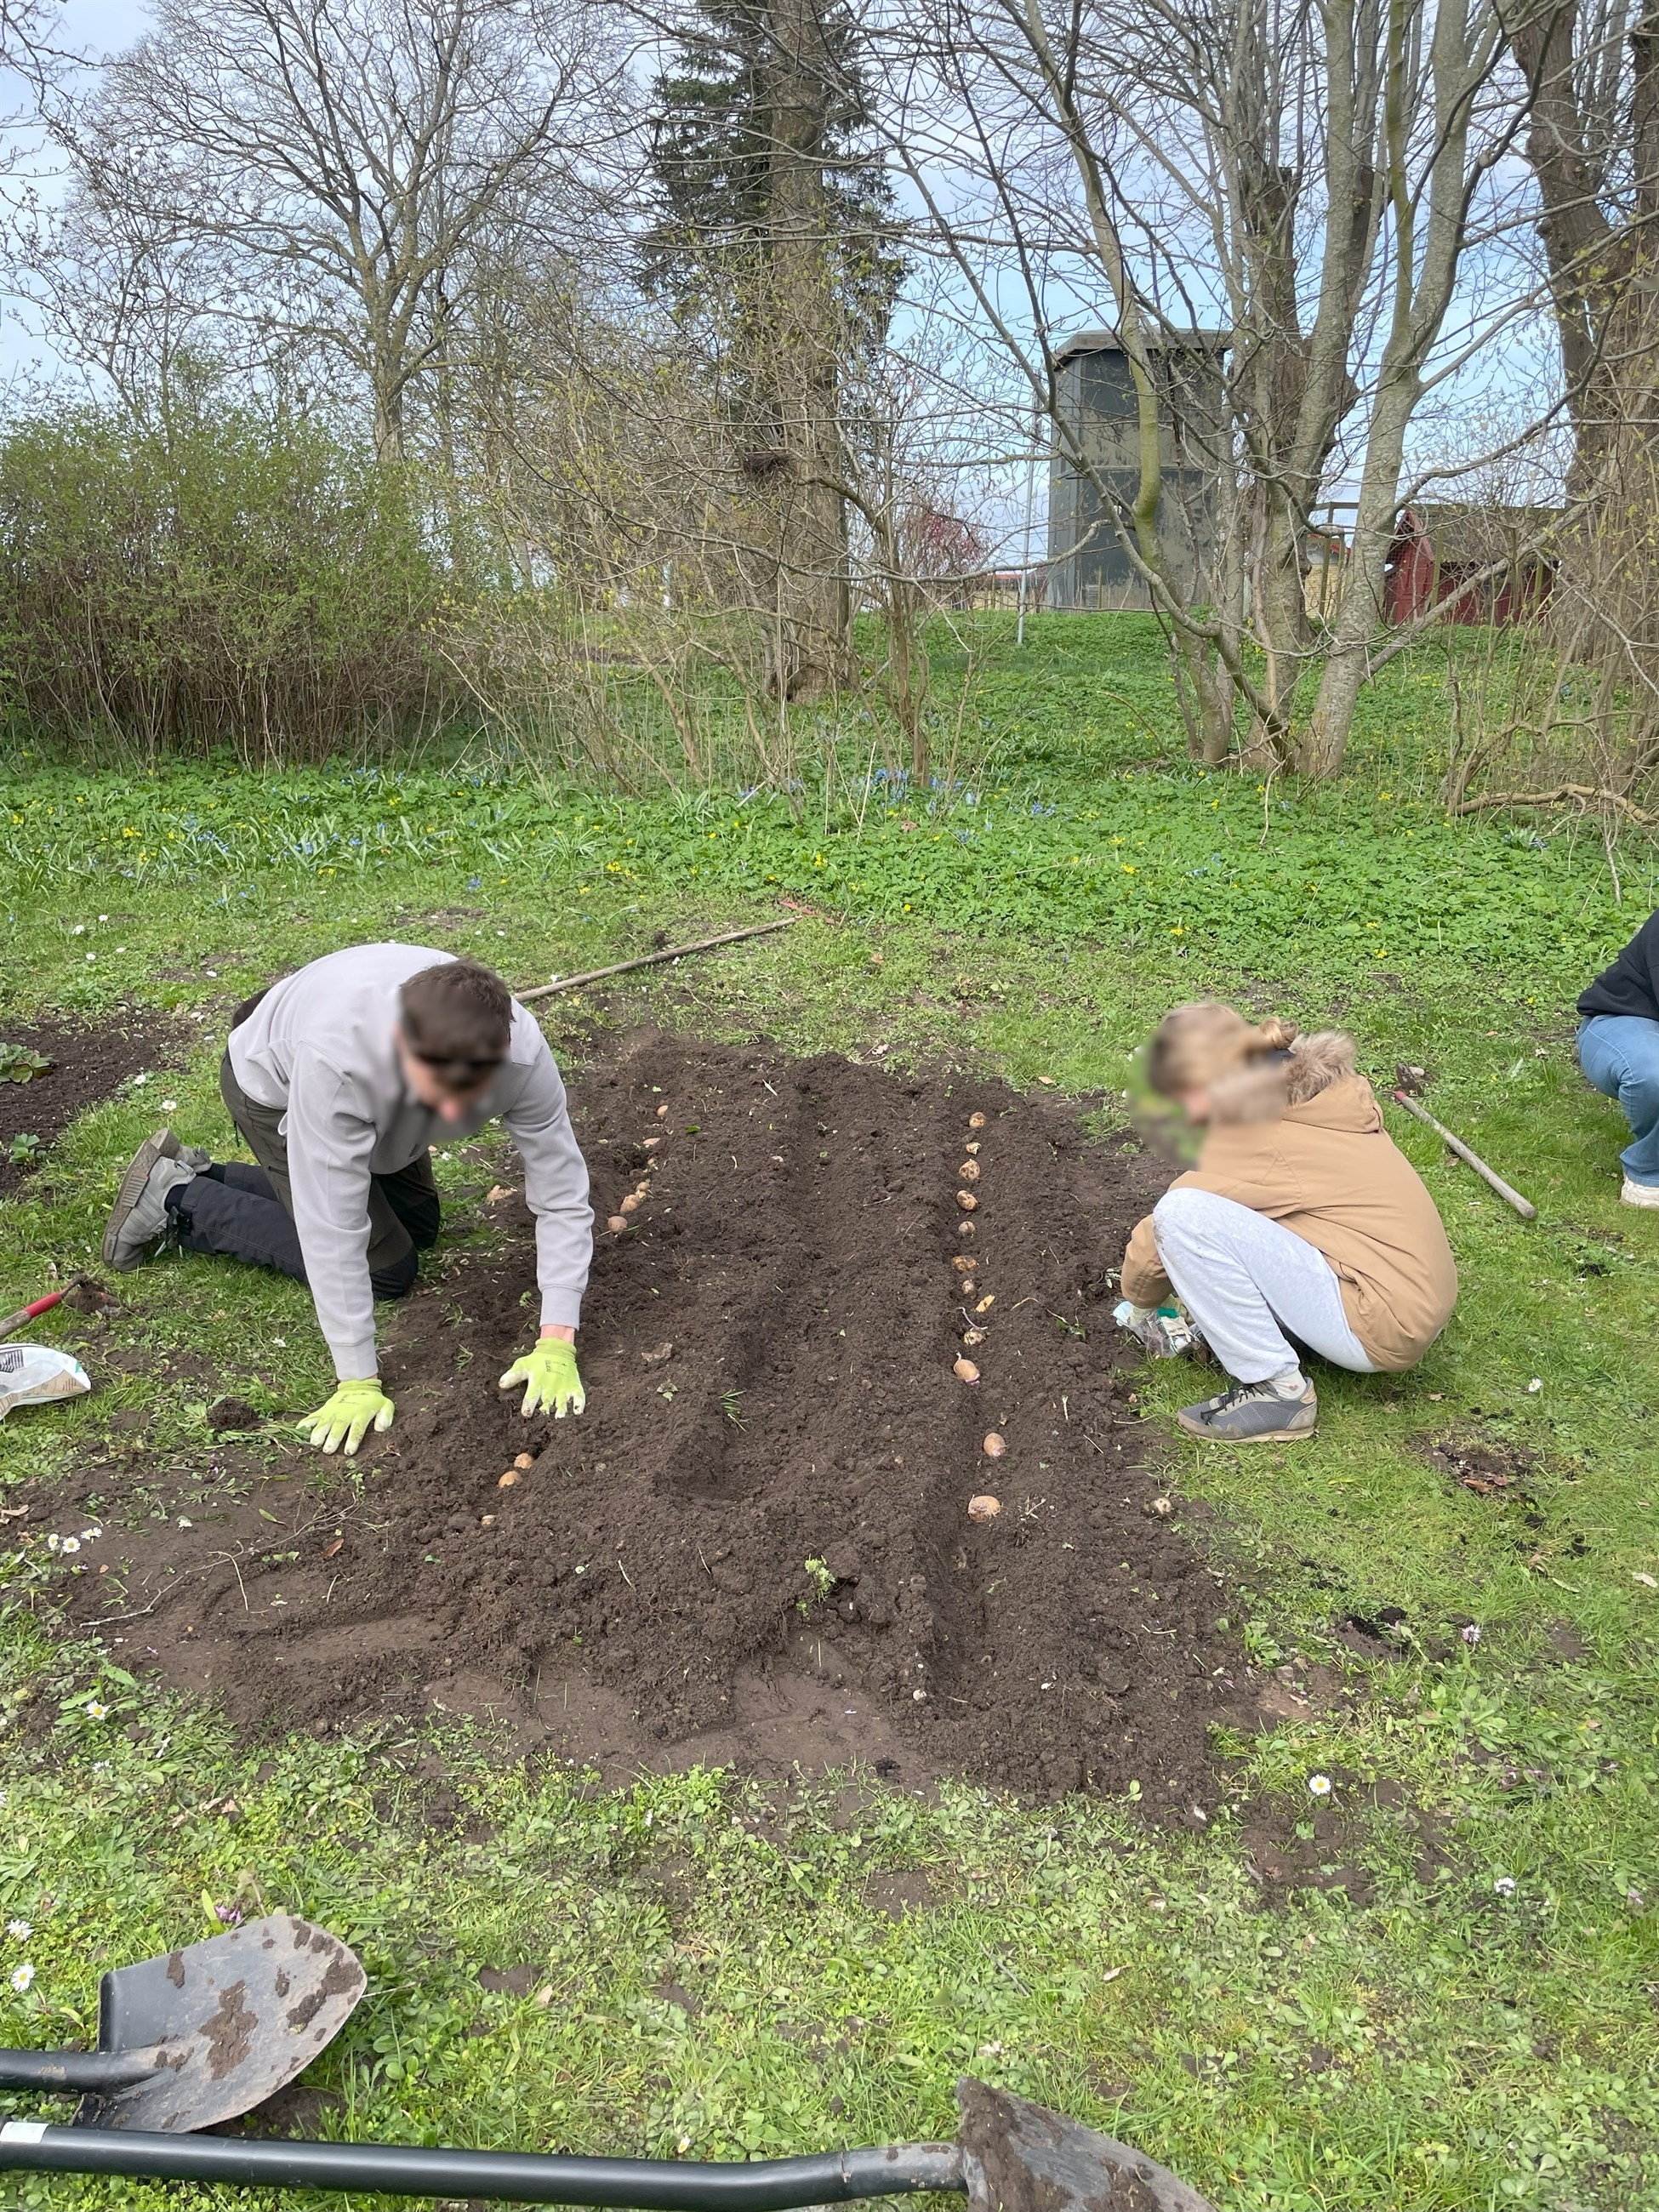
(34, 1374)
(1166, 1332)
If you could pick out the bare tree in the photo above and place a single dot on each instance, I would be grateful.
(1305, 176)
(1593, 148)
(123, 291)
(916, 481)
(346, 161)
(1437, 157)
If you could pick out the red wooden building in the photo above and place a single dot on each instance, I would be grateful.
(1484, 564)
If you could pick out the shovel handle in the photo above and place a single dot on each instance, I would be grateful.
(75, 2072)
(406, 2170)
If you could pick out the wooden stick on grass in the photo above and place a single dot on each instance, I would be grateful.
(652, 959)
(1523, 1207)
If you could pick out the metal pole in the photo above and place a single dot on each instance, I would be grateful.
(400, 2170)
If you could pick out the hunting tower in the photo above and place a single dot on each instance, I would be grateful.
(1087, 564)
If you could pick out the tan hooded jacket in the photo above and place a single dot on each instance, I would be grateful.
(1329, 1170)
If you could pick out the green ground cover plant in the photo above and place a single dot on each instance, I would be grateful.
(1451, 2001)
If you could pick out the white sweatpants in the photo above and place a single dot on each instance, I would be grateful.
(1246, 1280)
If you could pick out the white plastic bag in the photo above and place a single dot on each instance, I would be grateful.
(34, 1375)
(1165, 1331)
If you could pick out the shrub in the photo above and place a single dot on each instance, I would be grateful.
(173, 587)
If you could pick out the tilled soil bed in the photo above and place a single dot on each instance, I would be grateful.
(88, 1066)
(755, 1542)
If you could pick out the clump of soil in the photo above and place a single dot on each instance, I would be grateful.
(1482, 1464)
(87, 1064)
(226, 1416)
(1312, 1846)
(1382, 1634)
(755, 1543)
(1486, 1466)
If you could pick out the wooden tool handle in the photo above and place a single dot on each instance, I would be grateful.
(1523, 1207)
(652, 959)
(12, 1322)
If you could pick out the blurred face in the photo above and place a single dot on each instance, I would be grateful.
(443, 1099)
(1196, 1103)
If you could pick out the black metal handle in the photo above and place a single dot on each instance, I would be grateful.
(645, 2184)
(72, 2070)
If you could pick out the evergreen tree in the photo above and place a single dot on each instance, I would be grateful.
(715, 143)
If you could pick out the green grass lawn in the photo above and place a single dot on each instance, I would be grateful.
(1468, 2017)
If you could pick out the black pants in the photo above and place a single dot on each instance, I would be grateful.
(247, 1212)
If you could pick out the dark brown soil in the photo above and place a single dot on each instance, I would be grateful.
(1486, 1466)
(755, 1544)
(88, 1066)
(1480, 1463)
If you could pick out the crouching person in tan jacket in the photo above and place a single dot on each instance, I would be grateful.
(1302, 1227)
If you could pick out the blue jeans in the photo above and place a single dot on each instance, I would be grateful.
(1619, 1053)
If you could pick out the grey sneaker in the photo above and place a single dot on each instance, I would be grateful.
(1252, 1413)
(139, 1215)
(1639, 1194)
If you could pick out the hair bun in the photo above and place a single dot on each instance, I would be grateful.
(1274, 1035)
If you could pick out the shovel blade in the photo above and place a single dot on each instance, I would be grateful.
(224, 2024)
(1018, 2157)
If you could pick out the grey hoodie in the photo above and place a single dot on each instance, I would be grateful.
(320, 1045)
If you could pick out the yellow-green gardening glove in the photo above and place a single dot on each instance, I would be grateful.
(349, 1414)
(549, 1373)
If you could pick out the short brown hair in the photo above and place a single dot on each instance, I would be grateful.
(457, 1017)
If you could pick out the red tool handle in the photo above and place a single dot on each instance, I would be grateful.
(14, 1320)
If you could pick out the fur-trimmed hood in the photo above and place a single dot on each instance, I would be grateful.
(1317, 1060)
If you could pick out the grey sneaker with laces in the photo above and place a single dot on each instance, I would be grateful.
(1252, 1413)
(139, 1216)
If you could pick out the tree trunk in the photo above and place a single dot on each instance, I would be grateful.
(797, 353)
(385, 386)
(1603, 272)
(1324, 746)
(1281, 613)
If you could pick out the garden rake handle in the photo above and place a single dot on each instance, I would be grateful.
(1523, 1207)
(11, 1322)
(648, 2184)
(651, 959)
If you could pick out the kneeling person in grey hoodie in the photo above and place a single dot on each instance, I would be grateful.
(340, 1079)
